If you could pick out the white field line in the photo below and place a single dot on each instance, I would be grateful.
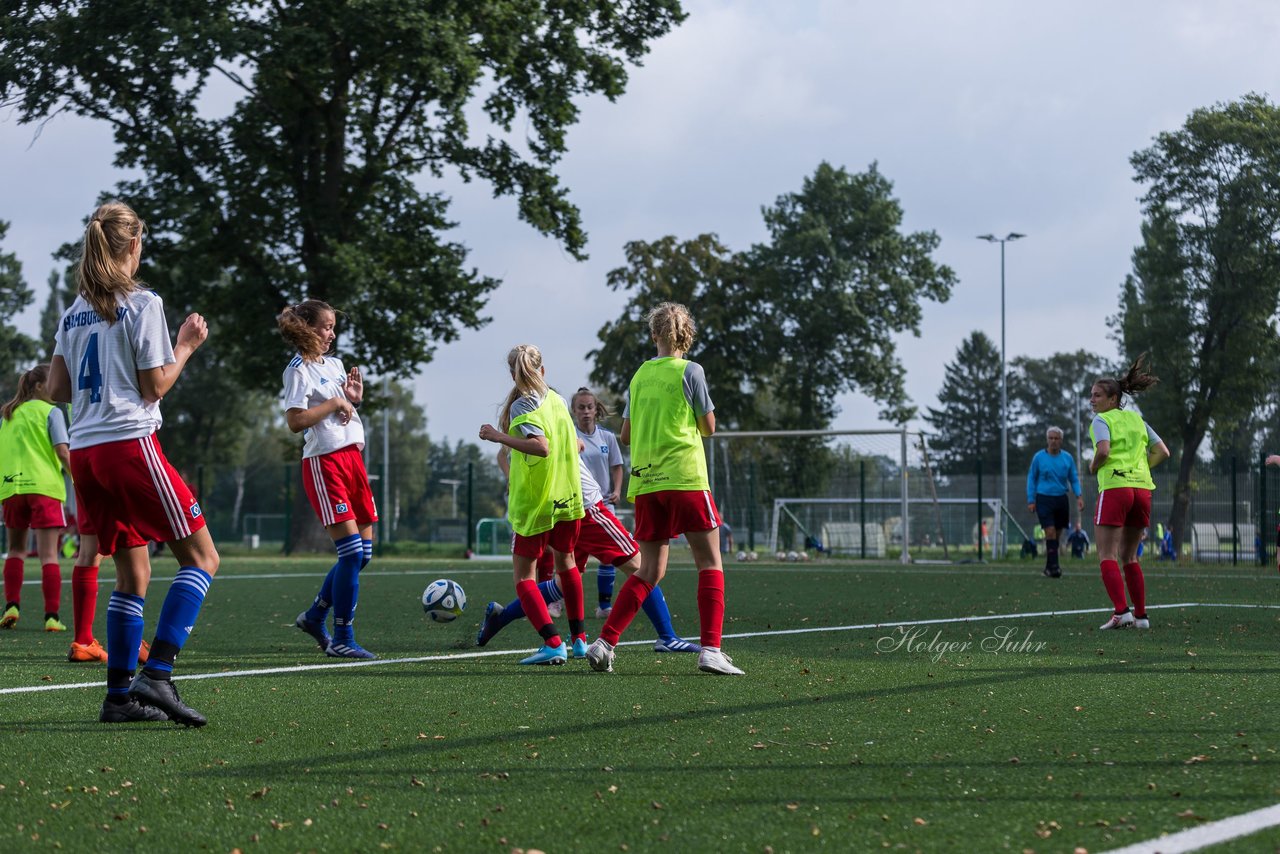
(461, 656)
(1205, 835)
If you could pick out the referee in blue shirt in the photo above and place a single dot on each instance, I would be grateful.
(1052, 473)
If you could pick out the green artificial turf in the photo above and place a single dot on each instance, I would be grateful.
(1006, 732)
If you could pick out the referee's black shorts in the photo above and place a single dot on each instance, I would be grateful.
(1054, 511)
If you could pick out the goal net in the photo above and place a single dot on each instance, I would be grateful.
(855, 493)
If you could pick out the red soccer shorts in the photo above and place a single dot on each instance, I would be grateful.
(131, 495)
(84, 525)
(670, 513)
(1124, 507)
(33, 511)
(604, 538)
(562, 538)
(337, 486)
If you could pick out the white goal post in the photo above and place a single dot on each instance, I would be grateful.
(790, 486)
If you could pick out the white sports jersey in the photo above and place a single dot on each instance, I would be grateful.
(591, 495)
(600, 453)
(308, 384)
(104, 360)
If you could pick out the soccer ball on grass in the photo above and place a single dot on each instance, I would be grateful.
(444, 600)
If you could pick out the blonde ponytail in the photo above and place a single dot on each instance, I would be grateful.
(102, 274)
(525, 362)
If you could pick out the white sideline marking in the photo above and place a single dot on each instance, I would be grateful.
(1205, 835)
(303, 668)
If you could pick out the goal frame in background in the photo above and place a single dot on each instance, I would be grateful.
(907, 440)
(730, 435)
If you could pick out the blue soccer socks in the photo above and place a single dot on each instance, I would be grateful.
(346, 587)
(178, 616)
(605, 575)
(124, 635)
(655, 608)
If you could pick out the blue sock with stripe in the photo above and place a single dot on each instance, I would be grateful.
(655, 608)
(319, 610)
(124, 635)
(346, 586)
(604, 584)
(178, 616)
(515, 611)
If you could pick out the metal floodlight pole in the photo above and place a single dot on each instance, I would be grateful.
(1004, 392)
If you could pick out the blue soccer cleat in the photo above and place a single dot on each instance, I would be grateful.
(579, 648)
(315, 628)
(548, 655)
(489, 625)
(675, 644)
(348, 649)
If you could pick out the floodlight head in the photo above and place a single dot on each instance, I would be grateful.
(991, 238)
(1013, 235)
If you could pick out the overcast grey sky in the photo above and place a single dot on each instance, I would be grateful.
(987, 116)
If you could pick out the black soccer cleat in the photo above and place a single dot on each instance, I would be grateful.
(128, 712)
(161, 694)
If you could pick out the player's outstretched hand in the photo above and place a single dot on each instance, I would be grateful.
(354, 386)
(193, 331)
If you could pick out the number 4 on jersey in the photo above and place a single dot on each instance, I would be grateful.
(90, 375)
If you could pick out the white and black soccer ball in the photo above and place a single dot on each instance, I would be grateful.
(444, 600)
(780, 555)
(742, 556)
(793, 557)
(752, 556)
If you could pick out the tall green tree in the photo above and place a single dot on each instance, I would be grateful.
(1050, 392)
(711, 280)
(789, 325)
(967, 424)
(16, 349)
(62, 292)
(316, 181)
(836, 281)
(1205, 287)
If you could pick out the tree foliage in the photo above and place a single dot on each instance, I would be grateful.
(1050, 392)
(1205, 287)
(315, 180)
(787, 326)
(967, 423)
(835, 282)
(16, 349)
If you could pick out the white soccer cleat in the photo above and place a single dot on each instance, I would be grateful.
(712, 660)
(1118, 621)
(603, 612)
(600, 656)
(1141, 623)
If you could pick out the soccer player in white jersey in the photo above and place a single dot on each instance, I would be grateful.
(320, 400)
(115, 339)
(603, 456)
